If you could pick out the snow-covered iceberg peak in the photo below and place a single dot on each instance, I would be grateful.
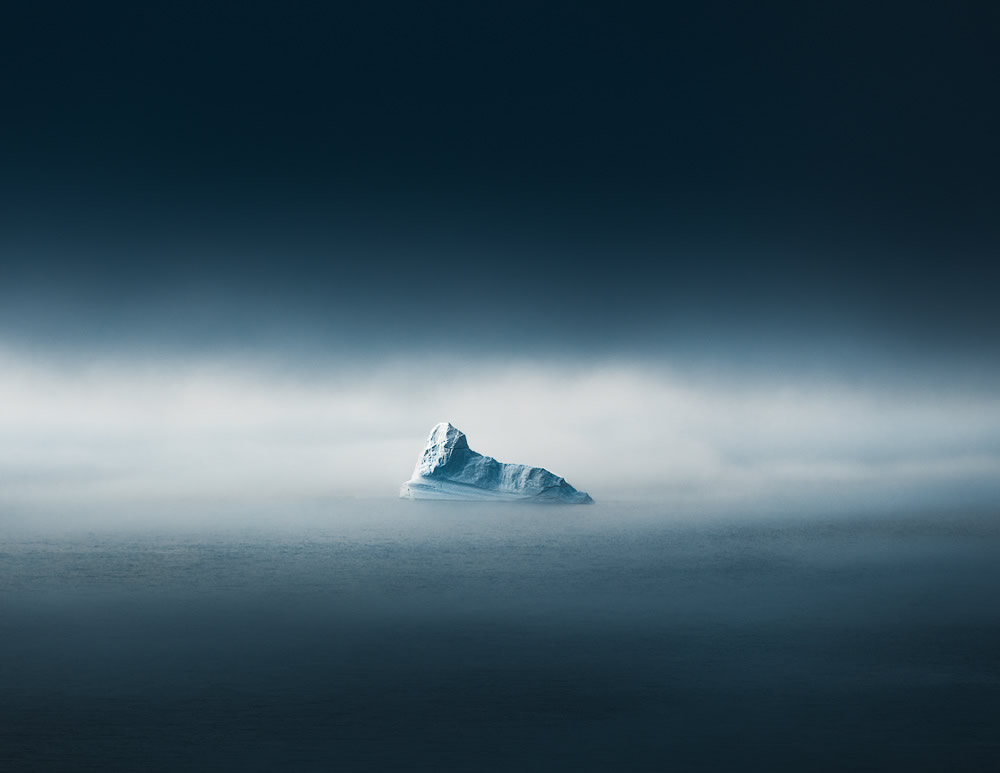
(441, 446)
(449, 469)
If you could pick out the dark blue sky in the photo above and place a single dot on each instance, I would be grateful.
(752, 181)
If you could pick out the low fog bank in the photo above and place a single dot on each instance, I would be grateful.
(143, 435)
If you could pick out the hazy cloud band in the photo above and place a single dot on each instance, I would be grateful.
(236, 430)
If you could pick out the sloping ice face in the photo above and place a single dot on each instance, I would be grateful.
(449, 469)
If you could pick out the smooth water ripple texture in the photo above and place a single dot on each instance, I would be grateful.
(396, 635)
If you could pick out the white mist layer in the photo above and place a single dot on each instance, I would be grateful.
(130, 431)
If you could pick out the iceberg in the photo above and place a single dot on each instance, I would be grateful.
(449, 469)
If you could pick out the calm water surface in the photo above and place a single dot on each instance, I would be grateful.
(396, 635)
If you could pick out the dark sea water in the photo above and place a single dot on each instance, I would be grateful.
(410, 636)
